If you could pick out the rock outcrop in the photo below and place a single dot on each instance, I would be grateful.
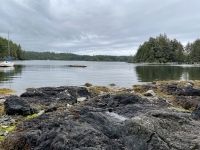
(196, 114)
(54, 96)
(111, 121)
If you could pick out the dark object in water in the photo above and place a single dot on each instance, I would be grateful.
(79, 66)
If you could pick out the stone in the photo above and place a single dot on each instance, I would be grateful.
(53, 96)
(51, 109)
(15, 105)
(111, 121)
(196, 114)
(5, 133)
(80, 99)
(150, 93)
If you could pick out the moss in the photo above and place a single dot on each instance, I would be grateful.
(88, 84)
(2, 138)
(31, 116)
(3, 129)
(139, 88)
(5, 91)
(7, 128)
(1, 110)
(100, 89)
(179, 109)
(195, 147)
(10, 128)
(28, 89)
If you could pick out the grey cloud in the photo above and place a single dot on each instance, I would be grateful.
(96, 26)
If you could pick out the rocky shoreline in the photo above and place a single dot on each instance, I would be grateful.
(163, 115)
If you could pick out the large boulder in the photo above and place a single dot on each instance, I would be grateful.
(16, 105)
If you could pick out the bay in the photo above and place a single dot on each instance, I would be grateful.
(42, 73)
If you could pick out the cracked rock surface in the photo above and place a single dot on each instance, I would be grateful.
(111, 122)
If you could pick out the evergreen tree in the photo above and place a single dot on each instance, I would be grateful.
(160, 49)
(195, 51)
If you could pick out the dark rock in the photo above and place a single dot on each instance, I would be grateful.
(48, 96)
(82, 92)
(181, 91)
(51, 109)
(196, 114)
(93, 93)
(161, 102)
(121, 122)
(16, 105)
(32, 93)
(186, 102)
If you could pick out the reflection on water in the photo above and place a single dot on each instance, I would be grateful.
(153, 73)
(7, 73)
(26, 74)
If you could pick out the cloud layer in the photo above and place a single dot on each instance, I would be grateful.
(92, 27)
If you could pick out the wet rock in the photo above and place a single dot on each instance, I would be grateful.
(181, 91)
(16, 105)
(155, 129)
(93, 93)
(51, 109)
(161, 102)
(6, 120)
(121, 121)
(54, 96)
(186, 102)
(196, 114)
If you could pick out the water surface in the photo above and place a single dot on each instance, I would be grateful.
(26, 74)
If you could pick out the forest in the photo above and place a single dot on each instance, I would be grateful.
(156, 50)
(16, 52)
(30, 55)
(163, 50)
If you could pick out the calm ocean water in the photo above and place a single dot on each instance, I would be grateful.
(26, 74)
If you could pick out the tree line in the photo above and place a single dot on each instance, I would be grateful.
(30, 55)
(162, 50)
(16, 53)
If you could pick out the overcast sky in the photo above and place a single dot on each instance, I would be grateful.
(93, 27)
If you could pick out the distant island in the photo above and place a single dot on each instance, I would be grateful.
(30, 55)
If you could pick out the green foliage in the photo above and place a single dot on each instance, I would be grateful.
(15, 50)
(161, 50)
(30, 55)
(195, 51)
